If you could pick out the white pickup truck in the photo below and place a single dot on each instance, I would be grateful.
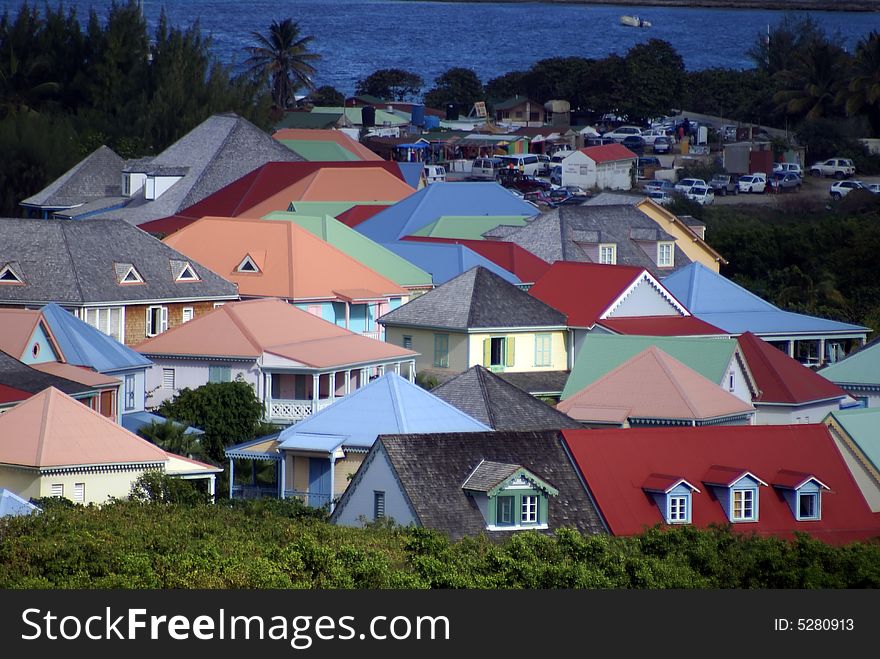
(839, 168)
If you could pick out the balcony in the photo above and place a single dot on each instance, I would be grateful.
(309, 498)
(289, 410)
(254, 492)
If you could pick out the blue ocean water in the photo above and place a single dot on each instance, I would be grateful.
(356, 37)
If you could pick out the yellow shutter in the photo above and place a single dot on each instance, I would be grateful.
(509, 357)
(487, 352)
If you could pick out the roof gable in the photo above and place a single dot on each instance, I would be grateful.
(859, 367)
(96, 176)
(491, 478)
(608, 153)
(476, 299)
(21, 377)
(860, 427)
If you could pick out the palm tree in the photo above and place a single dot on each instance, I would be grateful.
(862, 95)
(282, 57)
(809, 88)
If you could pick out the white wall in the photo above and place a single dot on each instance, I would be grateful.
(644, 300)
(578, 170)
(783, 414)
(192, 374)
(614, 175)
(373, 476)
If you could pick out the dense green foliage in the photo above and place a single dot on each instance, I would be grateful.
(282, 58)
(459, 85)
(281, 544)
(159, 487)
(391, 85)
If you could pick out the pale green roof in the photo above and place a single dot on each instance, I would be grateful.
(602, 353)
(319, 151)
(331, 208)
(396, 118)
(467, 227)
(359, 247)
(861, 426)
(862, 367)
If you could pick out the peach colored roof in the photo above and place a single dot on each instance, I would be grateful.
(52, 429)
(18, 327)
(652, 385)
(249, 329)
(336, 184)
(320, 135)
(294, 263)
(79, 374)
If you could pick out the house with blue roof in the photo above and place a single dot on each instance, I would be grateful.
(718, 301)
(12, 505)
(448, 199)
(315, 457)
(445, 261)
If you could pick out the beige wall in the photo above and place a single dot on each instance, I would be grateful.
(684, 240)
(524, 351)
(25, 484)
(423, 343)
(99, 487)
(297, 474)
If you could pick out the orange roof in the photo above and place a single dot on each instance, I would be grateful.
(652, 385)
(249, 329)
(18, 328)
(320, 135)
(336, 184)
(52, 429)
(294, 263)
(79, 374)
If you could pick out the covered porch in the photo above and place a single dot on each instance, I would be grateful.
(817, 351)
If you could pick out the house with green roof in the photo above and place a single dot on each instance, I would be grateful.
(468, 227)
(858, 374)
(855, 432)
(362, 249)
(718, 360)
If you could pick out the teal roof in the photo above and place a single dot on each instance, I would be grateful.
(320, 151)
(360, 248)
(861, 426)
(389, 405)
(470, 227)
(602, 353)
(861, 367)
(309, 120)
(383, 117)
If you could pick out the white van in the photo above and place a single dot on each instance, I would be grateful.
(435, 173)
(485, 169)
(527, 163)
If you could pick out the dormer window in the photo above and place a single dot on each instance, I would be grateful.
(665, 252)
(802, 492)
(248, 266)
(128, 274)
(737, 491)
(9, 276)
(185, 271)
(509, 496)
(673, 496)
(608, 254)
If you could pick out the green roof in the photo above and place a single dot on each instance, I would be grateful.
(467, 227)
(396, 118)
(331, 208)
(319, 151)
(861, 426)
(602, 353)
(862, 367)
(513, 102)
(359, 247)
(309, 120)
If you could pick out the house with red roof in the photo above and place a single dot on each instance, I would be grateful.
(787, 391)
(296, 362)
(765, 480)
(615, 299)
(610, 166)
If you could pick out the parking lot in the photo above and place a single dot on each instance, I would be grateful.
(815, 189)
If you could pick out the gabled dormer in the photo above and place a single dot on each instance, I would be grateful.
(737, 490)
(673, 496)
(802, 492)
(126, 273)
(248, 266)
(11, 274)
(183, 271)
(160, 179)
(509, 496)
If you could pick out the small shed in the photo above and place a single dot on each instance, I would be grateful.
(610, 166)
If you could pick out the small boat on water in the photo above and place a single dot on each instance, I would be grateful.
(634, 21)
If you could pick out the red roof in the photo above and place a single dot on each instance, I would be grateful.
(510, 256)
(12, 395)
(583, 291)
(661, 326)
(167, 225)
(781, 379)
(359, 213)
(608, 153)
(617, 463)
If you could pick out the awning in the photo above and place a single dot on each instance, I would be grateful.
(359, 295)
(304, 441)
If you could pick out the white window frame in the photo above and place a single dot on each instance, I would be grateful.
(665, 260)
(818, 506)
(56, 490)
(192, 274)
(544, 349)
(168, 376)
(529, 509)
(163, 320)
(129, 392)
(678, 509)
(79, 492)
(611, 249)
(187, 314)
(100, 318)
(753, 496)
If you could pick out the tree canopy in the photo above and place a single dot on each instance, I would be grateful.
(391, 85)
(458, 85)
(282, 58)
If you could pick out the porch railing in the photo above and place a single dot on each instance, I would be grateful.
(295, 410)
(254, 492)
(309, 498)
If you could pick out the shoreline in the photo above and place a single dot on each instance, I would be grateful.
(792, 5)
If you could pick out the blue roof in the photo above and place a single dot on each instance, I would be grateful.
(720, 302)
(84, 345)
(445, 261)
(134, 421)
(14, 506)
(388, 405)
(463, 199)
(412, 173)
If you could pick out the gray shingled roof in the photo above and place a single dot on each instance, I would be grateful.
(488, 474)
(220, 150)
(538, 382)
(75, 262)
(431, 469)
(475, 299)
(15, 374)
(573, 233)
(96, 176)
(614, 199)
(500, 405)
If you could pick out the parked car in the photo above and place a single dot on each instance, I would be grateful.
(538, 197)
(435, 173)
(599, 141)
(873, 187)
(545, 165)
(784, 167)
(842, 188)
(685, 184)
(724, 184)
(634, 143)
(701, 194)
(661, 197)
(646, 161)
(576, 191)
(662, 145)
(650, 136)
(559, 156)
(527, 163)
(621, 132)
(513, 178)
(839, 168)
(562, 197)
(556, 175)
(662, 186)
(485, 169)
(782, 181)
(753, 183)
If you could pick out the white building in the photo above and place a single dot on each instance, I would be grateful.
(606, 167)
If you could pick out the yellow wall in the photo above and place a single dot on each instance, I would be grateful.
(99, 487)
(25, 484)
(297, 466)
(423, 343)
(345, 468)
(684, 240)
(524, 351)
